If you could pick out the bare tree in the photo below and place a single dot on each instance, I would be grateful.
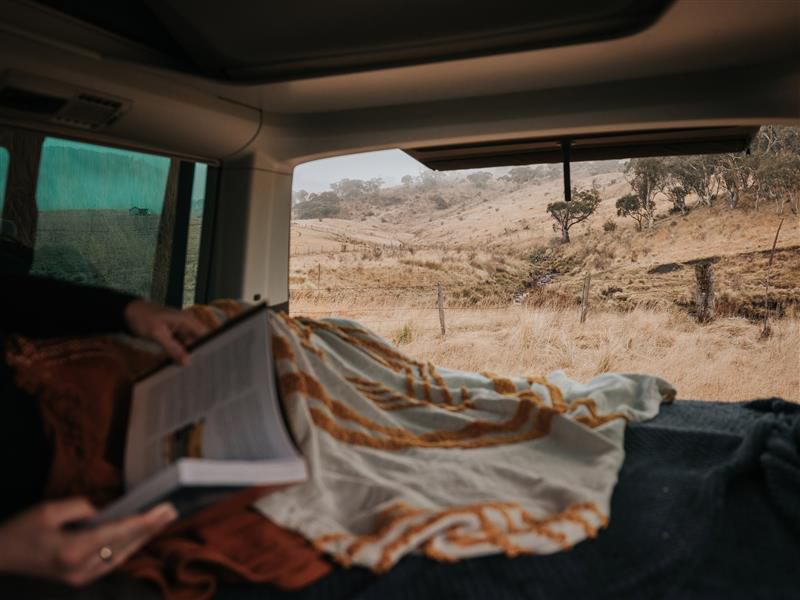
(348, 189)
(631, 206)
(647, 177)
(737, 174)
(319, 206)
(677, 195)
(781, 181)
(299, 196)
(778, 166)
(521, 175)
(580, 208)
(430, 180)
(698, 174)
(479, 179)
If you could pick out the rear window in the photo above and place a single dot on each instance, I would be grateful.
(657, 265)
(98, 214)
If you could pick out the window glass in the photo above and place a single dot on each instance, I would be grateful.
(3, 176)
(685, 267)
(193, 242)
(99, 211)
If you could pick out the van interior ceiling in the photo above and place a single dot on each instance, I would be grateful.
(232, 85)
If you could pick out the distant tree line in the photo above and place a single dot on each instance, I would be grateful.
(345, 194)
(330, 203)
(768, 172)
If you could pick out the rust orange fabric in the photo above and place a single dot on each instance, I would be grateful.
(83, 387)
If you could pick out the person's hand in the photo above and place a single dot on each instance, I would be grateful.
(35, 543)
(171, 328)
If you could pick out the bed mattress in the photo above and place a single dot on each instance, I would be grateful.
(707, 506)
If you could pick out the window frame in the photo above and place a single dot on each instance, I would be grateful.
(5, 178)
(172, 247)
(207, 229)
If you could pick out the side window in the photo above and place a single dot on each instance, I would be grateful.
(195, 226)
(98, 214)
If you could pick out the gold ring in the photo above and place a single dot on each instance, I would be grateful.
(106, 553)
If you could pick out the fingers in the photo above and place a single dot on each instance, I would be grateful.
(36, 542)
(188, 326)
(61, 512)
(121, 532)
(134, 535)
(184, 328)
(170, 328)
(163, 335)
(124, 537)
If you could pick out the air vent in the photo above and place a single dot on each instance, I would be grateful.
(27, 97)
(89, 112)
(17, 99)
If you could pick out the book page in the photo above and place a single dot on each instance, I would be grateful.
(224, 405)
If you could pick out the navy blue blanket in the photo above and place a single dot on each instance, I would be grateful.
(707, 506)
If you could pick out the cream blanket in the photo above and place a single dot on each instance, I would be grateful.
(408, 457)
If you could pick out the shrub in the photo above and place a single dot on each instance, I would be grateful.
(404, 335)
(609, 226)
(423, 264)
(319, 206)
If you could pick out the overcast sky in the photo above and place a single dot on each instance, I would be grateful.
(390, 165)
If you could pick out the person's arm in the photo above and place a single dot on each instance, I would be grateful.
(172, 329)
(41, 307)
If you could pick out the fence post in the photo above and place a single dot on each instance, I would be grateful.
(441, 305)
(704, 294)
(585, 297)
(766, 330)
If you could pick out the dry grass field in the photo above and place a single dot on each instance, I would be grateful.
(107, 248)
(511, 292)
(97, 247)
(724, 360)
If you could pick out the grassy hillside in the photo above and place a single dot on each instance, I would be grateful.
(97, 247)
(500, 245)
(511, 289)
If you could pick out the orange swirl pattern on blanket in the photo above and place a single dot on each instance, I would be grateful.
(402, 526)
(378, 435)
(441, 534)
(391, 400)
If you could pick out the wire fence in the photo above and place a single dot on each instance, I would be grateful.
(497, 297)
(373, 288)
(534, 283)
(404, 309)
(431, 308)
(402, 314)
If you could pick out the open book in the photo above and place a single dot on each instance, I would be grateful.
(199, 432)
